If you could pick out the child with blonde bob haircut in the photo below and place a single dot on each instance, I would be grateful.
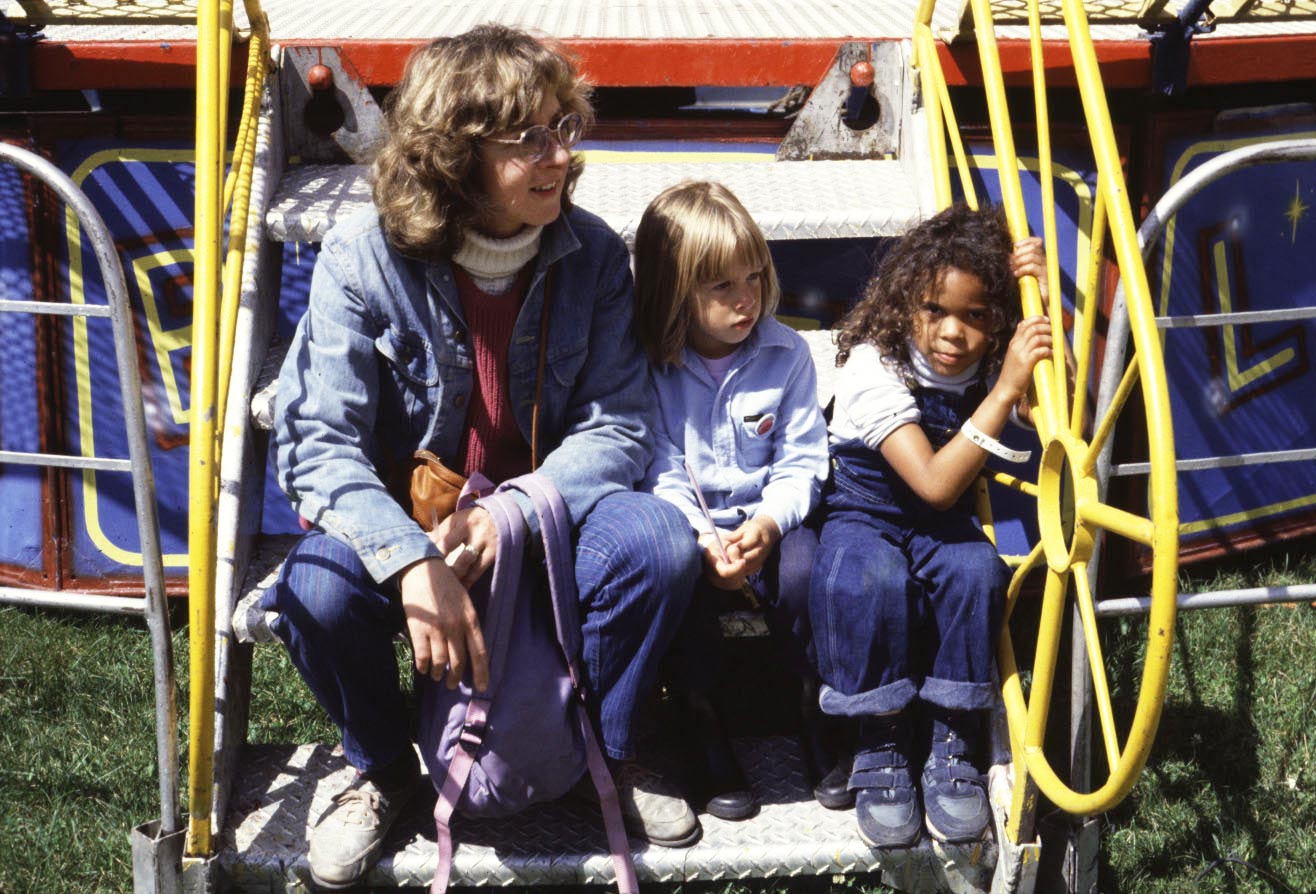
(738, 418)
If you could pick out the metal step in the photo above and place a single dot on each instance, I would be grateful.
(282, 790)
(790, 200)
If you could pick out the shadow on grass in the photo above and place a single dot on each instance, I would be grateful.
(1206, 800)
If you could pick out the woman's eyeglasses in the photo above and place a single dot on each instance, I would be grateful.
(535, 142)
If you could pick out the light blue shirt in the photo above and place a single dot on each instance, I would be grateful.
(756, 441)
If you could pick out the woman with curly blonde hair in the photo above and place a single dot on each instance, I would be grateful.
(473, 312)
(457, 93)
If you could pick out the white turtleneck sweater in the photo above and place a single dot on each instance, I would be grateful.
(494, 263)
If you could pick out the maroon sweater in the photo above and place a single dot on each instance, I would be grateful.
(492, 443)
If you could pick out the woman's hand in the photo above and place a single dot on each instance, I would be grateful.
(469, 541)
(442, 624)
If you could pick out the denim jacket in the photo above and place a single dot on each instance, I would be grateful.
(757, 442)
(381, 366)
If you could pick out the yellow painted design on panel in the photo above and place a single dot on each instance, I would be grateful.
(1234, 518)
(1238, 378)
(164, 341)
(82, 351)
(1176, 174)
(1295, 212)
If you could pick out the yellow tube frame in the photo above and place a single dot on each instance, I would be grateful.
(211, 30)
(211, 361)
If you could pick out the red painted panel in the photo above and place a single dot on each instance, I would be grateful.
(1123, 63)
(111, 65)
(738, 63)
(1246, 60)
(643, 63)
(1212, 61)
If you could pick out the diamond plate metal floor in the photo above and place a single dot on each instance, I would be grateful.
(351, 20)
(790, 200)
(281, 790)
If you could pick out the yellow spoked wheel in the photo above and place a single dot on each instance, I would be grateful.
(1072, 517)
(1072, 510)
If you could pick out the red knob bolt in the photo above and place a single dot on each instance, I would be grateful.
(862, 74)
(321, 77)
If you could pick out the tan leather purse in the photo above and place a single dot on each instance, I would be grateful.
(435, 488)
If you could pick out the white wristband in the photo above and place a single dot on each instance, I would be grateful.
(991, 445)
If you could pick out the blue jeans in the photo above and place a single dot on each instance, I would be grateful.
(635, 570)
(902, 611)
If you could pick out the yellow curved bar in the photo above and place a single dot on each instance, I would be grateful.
(956, 141)
(1086, 326)
(1162, 487)
(929, 67)
(1106, 424)
(1049, 420)
(1097, 662)
(1046, 178)
(1005, 479)
(243, 167)
(225, 63)
(942, 124)
(212, 359)
(1049, 631)
(1023, 799)
(201, 477)
(1111, 518)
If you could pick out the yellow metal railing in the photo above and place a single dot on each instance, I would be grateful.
(1072, 514)
(215, 300)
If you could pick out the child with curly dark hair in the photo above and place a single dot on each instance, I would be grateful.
(906, 591)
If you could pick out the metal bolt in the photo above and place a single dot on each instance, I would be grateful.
(320, 77)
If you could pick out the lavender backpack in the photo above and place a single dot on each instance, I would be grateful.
(527, 738)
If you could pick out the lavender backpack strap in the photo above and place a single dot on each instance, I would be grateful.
(497, 627)
(555, 525)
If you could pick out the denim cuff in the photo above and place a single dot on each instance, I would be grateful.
(958, 696)
(883, 700)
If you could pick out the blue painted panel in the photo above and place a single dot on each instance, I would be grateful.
(144, 194)
(20, 486)
(298, 262)
(1246, 242)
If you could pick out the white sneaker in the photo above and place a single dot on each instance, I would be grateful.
(652, 809)
(346, 841)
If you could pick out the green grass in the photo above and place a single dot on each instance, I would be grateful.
(1232, 775)
(77, 743)
(77, 750)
